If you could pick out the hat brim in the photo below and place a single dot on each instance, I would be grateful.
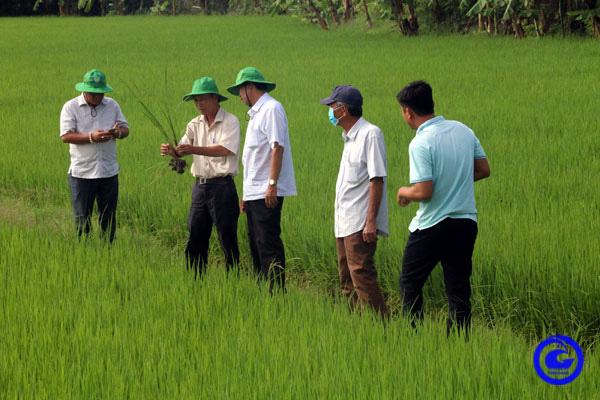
(235, 89)
(83, 87)
(327, 101)
(190, 96)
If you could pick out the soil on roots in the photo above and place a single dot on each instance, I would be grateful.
(178, 164)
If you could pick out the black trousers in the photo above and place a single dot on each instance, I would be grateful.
(214, 202)
(450, 242)
(104, 191)
(266, 247)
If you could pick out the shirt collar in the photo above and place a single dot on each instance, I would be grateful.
(432, 121)
(218, 117)
(353, 131)
(81, 100)
(256, 107)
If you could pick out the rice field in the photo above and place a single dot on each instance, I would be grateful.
(82, 320)
(86, 321)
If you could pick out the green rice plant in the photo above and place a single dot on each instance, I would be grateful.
(167, 129)
(537, 256)
(127, 320)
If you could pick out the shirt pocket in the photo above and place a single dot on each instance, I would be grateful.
(355, 173)
(254, 139)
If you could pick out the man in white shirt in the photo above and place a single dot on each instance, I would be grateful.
(268, 173)
(214, 139)
(91, 124)
(360, 198)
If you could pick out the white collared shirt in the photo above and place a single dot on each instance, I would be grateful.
(225, 131)
(92, 160)
(364, 158)
(267, 125)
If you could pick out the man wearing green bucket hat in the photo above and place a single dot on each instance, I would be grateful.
(268, 173)
(91, 123)
(213, 138)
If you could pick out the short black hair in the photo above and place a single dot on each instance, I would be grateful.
(417, 96)
(354, 110)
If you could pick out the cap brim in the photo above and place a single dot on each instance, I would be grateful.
(82, 87)
(327, 101)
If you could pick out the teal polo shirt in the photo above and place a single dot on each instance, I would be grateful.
(444, 152)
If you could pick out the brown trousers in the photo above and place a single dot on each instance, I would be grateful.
(358, 275)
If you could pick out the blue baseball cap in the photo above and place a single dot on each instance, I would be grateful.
(346, 94)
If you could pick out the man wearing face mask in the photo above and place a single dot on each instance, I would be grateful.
(360, 199)
(268, 174)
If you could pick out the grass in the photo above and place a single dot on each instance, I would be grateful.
(532, 103)
(88, 321)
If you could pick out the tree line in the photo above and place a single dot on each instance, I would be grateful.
(520, 18)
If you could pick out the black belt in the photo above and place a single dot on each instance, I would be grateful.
(221, 180)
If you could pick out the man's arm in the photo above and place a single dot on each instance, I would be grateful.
(420, 191)
(121, 131)
(98, 136)
(481, 169)
(121, 125)
(231, 129)
(375, 194)
(209, 151)
(276, 161)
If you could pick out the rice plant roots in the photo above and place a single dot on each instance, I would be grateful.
(178, 164)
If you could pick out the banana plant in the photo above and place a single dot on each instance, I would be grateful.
(516, 11)
(488, 9)
(590, 17)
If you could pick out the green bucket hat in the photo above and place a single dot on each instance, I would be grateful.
(94, 82)
(249, 74)
(204, 86)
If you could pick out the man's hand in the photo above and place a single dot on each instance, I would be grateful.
(184, 149)
(403, 201)
(369, 233)
(271, 196)
(167, 150)
(242, 206)
(115, 132)
(101, 136)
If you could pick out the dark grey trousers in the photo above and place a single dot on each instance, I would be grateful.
(266, 247)
(104, 191)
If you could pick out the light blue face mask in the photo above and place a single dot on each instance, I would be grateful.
(333, 119)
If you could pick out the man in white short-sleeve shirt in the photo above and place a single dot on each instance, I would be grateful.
(360, 198)
(213, 138)
(92, 124)
(268, 173)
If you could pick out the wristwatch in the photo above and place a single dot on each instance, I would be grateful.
(272, 182)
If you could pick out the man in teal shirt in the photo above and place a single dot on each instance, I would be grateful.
(446, 158)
